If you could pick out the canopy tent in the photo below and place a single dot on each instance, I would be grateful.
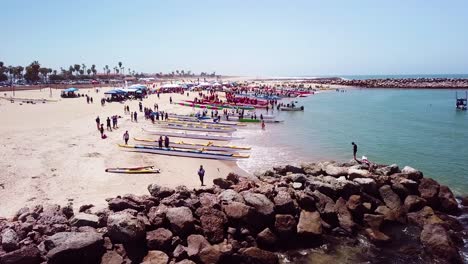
(138, 87)
(130, 90)
(116, 91)
(70, 90)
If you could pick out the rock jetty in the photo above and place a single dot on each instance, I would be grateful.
(242, 220)
(427, 83)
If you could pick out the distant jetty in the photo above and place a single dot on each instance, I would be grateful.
(248, 220)
(411, 83)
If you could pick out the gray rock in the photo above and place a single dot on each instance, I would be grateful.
(213, 222)
(10, 240)
(256, 255)
(181, 220)
(414, 203)
(74, 247)
(155, 257)
(222, 183)
(157, 215)
(160, 239)
(284, 204)
(267, 238)
(390, 198)
(229, 195)
(345, 217)
(111, 257)
(195, 243)
(237, 211)
(260, 202)
(438, 243)
(447, 201)
(412, 173)
(25, 255)
(310, 223)
(285, 225)
(84, 219)
(159, 191)
(367, 184)
(336, 171)
(125, 228)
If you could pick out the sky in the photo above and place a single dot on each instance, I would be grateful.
(240, 37)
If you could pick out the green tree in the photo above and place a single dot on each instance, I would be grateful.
(93, 69)
(120, 65)
(106, 69)
(32, 72)
(44, 72)
(77, 68)
(89, 71)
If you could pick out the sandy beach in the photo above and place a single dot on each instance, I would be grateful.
(53, 153)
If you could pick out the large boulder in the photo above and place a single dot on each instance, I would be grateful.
(325, 205)
(236, 211)
(436, 240)
(157, 215)
(310, 223)
(125, 228)
(447, 201)
(159, 239)
(259, 256)
(429, 188)
(354, 173)
(285, 225)
(222, 183)
(10, 240)
(284, 204)
(336, 171)
(120, 204)
(288, 168)
(305, 200)
(229, 195)
(159, 191)
(112, 257)
(376, 236)
(181, 220)
(424, 217)
(266, 238)
(413, 203)
(368, 185)
(260, 202)
(155, 257)
(208, 199)
(84, 219)
(390, 198)
(52, 214)
(373, 221)
(25, 255)
(345, 217)
(312, 169)
(412, 174)
(213, 222)
(334, 187)
(195, 243)
(388, 170)
(74, 247)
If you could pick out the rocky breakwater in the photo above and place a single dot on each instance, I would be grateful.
(242, 220)
(428, 83)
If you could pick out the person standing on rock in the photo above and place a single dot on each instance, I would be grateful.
(201, 174)
(126, 136)
(354, 150)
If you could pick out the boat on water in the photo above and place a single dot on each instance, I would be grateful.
(249, 115)
(215, 107)
(208, 146)
(461, 103)
(198, 128)
(146, 169)
(248, 120)
(285, 108)
(193, 136)
(184, 152)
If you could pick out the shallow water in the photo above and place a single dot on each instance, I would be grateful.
(420, 128)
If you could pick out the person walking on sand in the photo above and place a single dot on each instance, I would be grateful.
(160, 142)
(101, 129)
(201, 174)
(166, 116)
(98, 122)
(166, 142)
(354, 150)
(108, 121)
(170, 99)
(135, 116)
(263, 124)
(131, 116)
(141, 106)
(126, 136)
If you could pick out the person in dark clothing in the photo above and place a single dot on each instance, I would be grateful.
(167, 116)
(108, 121)
(170, 100)
(101, 129)
(166, 142)
(135, 116)
(160, 142)
(98, 122)
(141, 106)
(354, 150)
(201, 174)
(126, 136)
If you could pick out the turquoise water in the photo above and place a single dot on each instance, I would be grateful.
(420, 128)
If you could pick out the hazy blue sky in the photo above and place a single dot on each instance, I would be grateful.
(282, 38)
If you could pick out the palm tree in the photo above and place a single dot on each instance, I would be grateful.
(106, 69)
(89, 71)
(83, 66)
(77, 68)
(93, 69)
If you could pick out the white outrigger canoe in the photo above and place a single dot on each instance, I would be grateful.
(184, 152)
(284, 108)
(201, 128)
(194, 136)
(209, 146)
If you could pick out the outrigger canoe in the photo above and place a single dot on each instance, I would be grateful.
(147, 169)
(199, 128)
(208, 146)
(184, 153)
(218, 107)
(194, 136)
(292, 108)
(248, 120)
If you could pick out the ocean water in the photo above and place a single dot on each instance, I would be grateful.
(419, 128)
